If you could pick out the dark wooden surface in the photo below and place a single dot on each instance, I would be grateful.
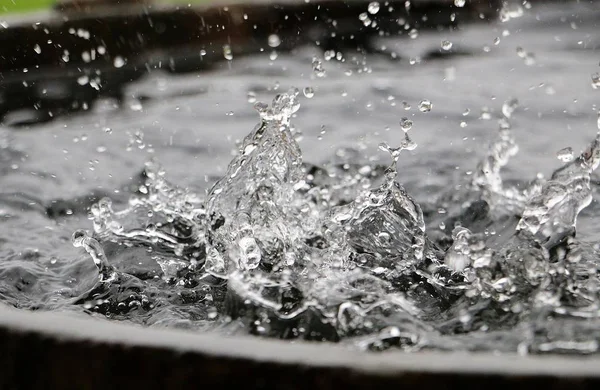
(38, 361)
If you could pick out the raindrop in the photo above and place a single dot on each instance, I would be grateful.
(406, 124)
(274, 40)
(425, 105)
(251, 96)
(317, 66)
(227, 52)
(37, 49)
(459, 3)
(373, 8)
(509, 107)
(118, 62)
(446, 45)
(596, 81)
(309, 92)
(565, 155)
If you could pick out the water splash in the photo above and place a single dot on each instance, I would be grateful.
(282, 248)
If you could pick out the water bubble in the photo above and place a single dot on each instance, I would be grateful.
(596, 80)
(446, 45)
(406, 106)
(274, 40)
(373, 8)
(317, 67)
(565, 155)
(227, 54)
(425, 105)
(309, 92)
(118, 62)
(459, 3)
(497, 41)
(406, 124)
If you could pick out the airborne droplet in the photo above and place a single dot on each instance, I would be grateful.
(565, 155)
(309, 92)
(406, 124)
(373, 8)
(425, 105)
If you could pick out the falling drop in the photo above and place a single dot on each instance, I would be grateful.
(446, 45)
(565, 155)
(227, 52)
(509, 107)
(309, 92)
(425, 105)
(317, 66)
(459, 3)
(118, 62)
(37, 49)
(406, 124)
(596, 81)
(274, 40)
(373, 8)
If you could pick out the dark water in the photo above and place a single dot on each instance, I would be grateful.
(316, 239)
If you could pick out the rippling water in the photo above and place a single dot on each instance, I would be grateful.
(303, 228)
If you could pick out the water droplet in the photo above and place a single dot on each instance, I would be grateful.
(373, 8)
(78, 238)
(227, 52)
(317, 67)
(37, 49)
(406, 124)
(509, 107)
(459, 3)
(446, 45)
(309, 92)
(274, 40)
(425, 105)
(250, 254)
(212, 313)
(118, 62)
(251, 96)
(406, 106)
(565, 155)
(596, 80)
